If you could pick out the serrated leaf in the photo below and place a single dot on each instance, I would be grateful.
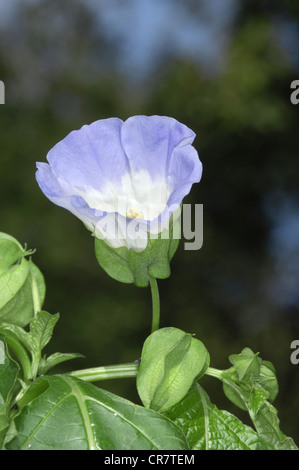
(208, 428)
(252, 398)
(71, 414)
(257, 398)
(170, 361)
(267, 425)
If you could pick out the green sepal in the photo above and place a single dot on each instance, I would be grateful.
(131, 266)
(249, 372)
(170, 362)
(10, 250)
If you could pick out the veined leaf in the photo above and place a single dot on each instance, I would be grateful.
(40, 332)
(208, 428)
(71, 414)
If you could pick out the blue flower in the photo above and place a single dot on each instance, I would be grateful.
(122, 179)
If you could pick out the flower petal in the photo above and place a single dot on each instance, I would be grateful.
(91, 157)
(149, 142)
(138, 169)
(185, 168)
(60, 193)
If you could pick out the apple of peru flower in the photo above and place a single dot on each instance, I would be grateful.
(125, 180)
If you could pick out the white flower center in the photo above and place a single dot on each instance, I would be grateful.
(137, 196)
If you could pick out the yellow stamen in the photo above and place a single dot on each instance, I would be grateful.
(133, 214)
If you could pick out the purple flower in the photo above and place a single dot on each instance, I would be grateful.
(122, 179)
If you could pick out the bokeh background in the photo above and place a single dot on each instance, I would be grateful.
(223, 68)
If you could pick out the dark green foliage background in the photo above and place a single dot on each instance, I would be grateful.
(247, 138)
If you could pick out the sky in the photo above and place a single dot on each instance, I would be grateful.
(156, 27)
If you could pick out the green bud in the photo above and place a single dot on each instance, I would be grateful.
(22, 287)
(170, 362)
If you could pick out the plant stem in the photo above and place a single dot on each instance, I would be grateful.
(156, 304)
(107, 372)
(217, 373)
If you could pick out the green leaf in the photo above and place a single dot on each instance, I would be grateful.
(16, 332)
(250, 384)
(208, 428)
(41, 330)
(266, 423)
(39, 334)
(238, 395)
(257, 398)
(71, 414)
(267, 379)
(254, 400)
(47, 363)
(133, 266)
(170, 362)
(9, 370)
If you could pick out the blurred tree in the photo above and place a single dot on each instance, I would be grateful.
(247, 141)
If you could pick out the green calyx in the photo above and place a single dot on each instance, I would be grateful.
(137, 267)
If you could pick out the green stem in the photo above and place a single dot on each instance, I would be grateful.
(35, 364)
(156, 304)
(107, 372)
(217, 373)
